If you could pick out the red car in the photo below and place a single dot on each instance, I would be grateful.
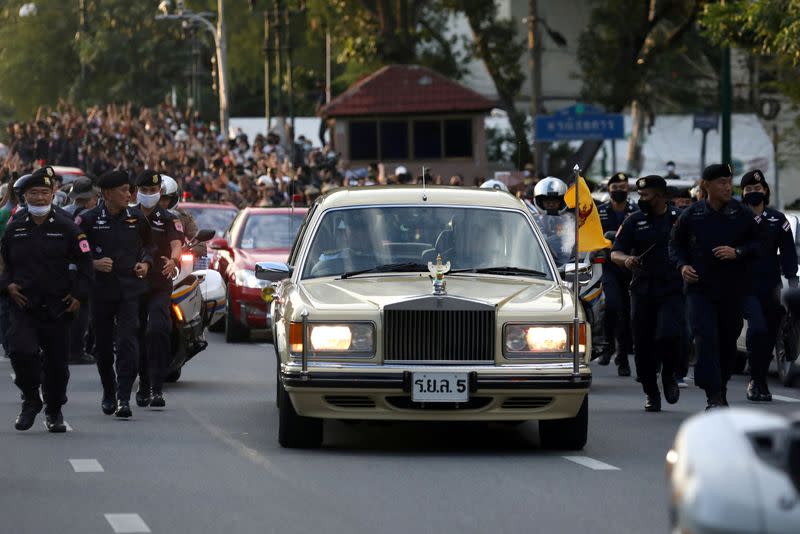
(257, 234)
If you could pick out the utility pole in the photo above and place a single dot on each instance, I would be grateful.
(278, 85)
(289, 80)
(222, 63)
(267, 81)
(535, 64)
(327, 65)
(725, 105)
(83, 33)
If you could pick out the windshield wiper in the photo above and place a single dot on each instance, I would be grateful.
(409, 266)
(501, 270)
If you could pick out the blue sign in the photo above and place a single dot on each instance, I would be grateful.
(705, 121)
(579, 122)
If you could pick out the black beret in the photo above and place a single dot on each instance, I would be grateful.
(620, 177)
(148, 177)
(652, 181)
(113, 179)
(717, 170)
(753, 177)
(42, 177)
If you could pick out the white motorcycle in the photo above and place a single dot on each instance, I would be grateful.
(198, 299)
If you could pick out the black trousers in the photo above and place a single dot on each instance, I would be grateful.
(155, 325)
(763, 313)
(616, 320)
(77, 332)
(116, 325)
(38, 350)
(656, 323)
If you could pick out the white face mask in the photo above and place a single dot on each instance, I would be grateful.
(38, 211)
(148, 201)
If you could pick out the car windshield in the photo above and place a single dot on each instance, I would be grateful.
(559, 233)
(270, 230)
(217, 219)
(360, 239)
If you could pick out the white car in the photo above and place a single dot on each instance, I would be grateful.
(735, 470)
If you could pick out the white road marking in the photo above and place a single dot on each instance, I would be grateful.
(127, 523)
(785, 399)
(591, 463)
(86, 466)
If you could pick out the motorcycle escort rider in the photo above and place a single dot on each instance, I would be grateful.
(762, 306)
(616, 323)
(155, 322)
(548, 199)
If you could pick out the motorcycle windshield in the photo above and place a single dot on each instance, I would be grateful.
(559, 233)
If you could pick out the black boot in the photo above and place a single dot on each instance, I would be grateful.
(143, 397)
(123, 409)
(671, 390)
(624, 368)
(753, 391)
(31, 406)
(652, 402)
(55, 422)
(766, 396)
(714, 401)
(157, 400)
(605, 356)
(108, 403)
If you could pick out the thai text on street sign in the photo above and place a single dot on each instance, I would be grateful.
(579, 122)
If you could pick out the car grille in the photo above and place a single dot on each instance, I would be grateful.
(350, 401)
(439, 335)
(526, 403)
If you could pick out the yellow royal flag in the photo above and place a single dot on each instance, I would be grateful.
(590, 231)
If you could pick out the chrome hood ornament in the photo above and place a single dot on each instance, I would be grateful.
(437, 272)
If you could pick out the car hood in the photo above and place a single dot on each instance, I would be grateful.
(375, 292)
(247, 258)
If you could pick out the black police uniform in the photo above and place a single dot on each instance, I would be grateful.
(657, 306)
(116, 295)
(714, 302)
(155, 319)
(616, 322)
(48, 261)
(80, 324)
(762, 307)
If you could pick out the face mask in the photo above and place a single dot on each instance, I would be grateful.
(148, 201)
(38, 211)
(670, 168)
(645, 206)
(754, 198)
(619, 196)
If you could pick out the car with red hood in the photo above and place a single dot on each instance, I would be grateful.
(256, 235)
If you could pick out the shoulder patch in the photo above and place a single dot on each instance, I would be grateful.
(758, 219)
(786, 226)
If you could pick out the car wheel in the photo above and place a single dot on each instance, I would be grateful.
(786, 350)
(296, 431)
(173, 376)
(566, 434)
(234, 330)
(217, 326)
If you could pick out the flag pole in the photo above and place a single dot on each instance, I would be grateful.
(576, 285)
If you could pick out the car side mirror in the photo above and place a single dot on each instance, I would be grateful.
(272, 271)
(584, 272)
(610, 235)
(219, 243)
(204, 235)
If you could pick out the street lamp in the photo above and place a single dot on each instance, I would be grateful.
(218, 32)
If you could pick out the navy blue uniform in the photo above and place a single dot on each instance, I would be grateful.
(656, 295)
(116, 295)
(48, 261)
(155, 321)
(616, 321)
(762, 307)
(714, 302)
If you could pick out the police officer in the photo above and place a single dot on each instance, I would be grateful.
(83, 196)
(712, 246)
(642, 247)
(762, 307)
(47, 274)
(120, 242)
(616, 321)
(155, 320)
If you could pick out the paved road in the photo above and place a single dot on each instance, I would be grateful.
(210, 462)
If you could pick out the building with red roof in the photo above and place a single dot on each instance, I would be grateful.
(411, 116)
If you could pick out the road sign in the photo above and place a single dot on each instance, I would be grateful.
(579, 122)
(705, 121)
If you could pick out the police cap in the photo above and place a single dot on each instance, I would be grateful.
(42, 177)
(620, 177)
(717, 170)
(82, 187)
(652, 181)
(113, 179)
(753, 177)
(148, 177)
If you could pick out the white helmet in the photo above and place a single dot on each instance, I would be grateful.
(169, 188)
(494, 184)
(550, 188)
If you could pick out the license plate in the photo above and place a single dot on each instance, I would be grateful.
(439, 387)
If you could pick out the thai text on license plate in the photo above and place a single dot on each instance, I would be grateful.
(439, 387)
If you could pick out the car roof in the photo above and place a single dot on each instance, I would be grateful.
(273, 211)
(416, 194)
(200, 205)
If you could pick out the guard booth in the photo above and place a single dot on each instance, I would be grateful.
(412, 116)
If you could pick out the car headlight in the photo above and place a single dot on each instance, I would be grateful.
(352, 339)
(530, 340)
(247, 278)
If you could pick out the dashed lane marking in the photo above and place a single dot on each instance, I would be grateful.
(591, 463)
(785, 399)
(86, 466)
(127, 523)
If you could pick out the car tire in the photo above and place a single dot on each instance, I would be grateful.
(217, 326)
(234, 330)
(172, 376)
(566, 434)
(786, 350)
(296, 431)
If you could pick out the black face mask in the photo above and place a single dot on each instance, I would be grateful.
(754, 198)
(619, 196)
(645, 206)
